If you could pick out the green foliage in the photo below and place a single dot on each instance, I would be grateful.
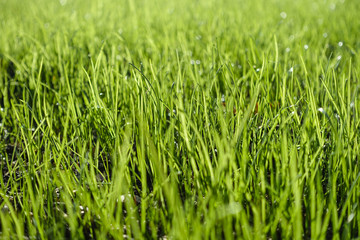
(179, 119)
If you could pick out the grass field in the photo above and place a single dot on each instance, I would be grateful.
(202, 119)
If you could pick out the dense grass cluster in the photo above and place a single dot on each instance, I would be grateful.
(179, 119)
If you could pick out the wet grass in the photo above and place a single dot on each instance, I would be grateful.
(179, 120)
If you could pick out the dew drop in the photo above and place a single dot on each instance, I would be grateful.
(283, 15)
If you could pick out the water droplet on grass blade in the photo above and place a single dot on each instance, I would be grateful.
(197, 62)
(325, 35)
(321, 110)
(306, 47)
(283, 15)
(287, 50)
(5, 209)
(340, 44)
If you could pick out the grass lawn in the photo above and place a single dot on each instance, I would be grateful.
(192, 119)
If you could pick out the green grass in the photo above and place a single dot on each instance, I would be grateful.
(179, 120)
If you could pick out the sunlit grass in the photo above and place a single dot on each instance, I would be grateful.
(179, 120)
